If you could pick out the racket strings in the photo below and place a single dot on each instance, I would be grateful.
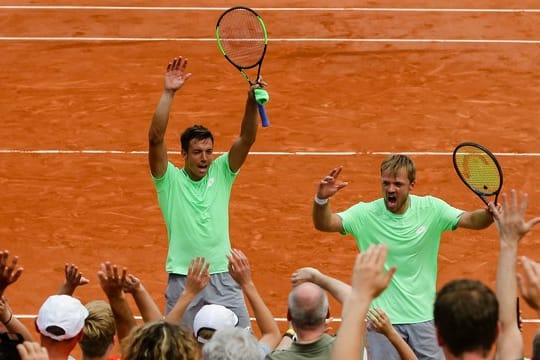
(478, 170)
(242, 37)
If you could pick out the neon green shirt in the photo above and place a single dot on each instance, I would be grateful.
(196, 215)
(413, 242)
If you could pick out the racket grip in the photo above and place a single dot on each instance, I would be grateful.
(262, 113)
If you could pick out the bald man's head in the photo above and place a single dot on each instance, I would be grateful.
(308, 306)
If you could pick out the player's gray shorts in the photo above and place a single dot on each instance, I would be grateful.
(222, 290)
(421, 337)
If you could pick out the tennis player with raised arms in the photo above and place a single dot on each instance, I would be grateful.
(194, 199)
(411, 226)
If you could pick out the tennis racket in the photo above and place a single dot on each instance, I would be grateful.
(242, 38)
(479, 169)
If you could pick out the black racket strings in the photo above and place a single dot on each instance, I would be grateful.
(242, 37)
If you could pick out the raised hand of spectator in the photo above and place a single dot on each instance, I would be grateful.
(337, 288)
(239, 267)
(369, 278)
(379, 321)
(132, 284)
(304, 274)
(30, 350)
(509, 218)
(198, 275)
(9, 272)
(512, 227)
(112, 282)
(529, 283)
(111, 279)
(240, 271)
(73, 279)
(197, 278)
(146, 304)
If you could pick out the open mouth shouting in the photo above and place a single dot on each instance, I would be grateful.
(391, 201)
(203, 168)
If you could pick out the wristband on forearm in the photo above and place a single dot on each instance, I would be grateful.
(320, 201)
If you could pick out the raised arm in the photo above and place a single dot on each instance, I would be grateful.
(476, 220)
(511, 227)
(11, 322)
(112, 282)
(240, 271)
(369, 279)
(529, 283)
(73, 279)
(175, 77)
(9, 272)
(147, 306)
(197, 278)
(337, 288)
(379, 321)
(248, 133)
(323, 218)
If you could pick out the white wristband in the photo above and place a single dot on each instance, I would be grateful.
(320, 201)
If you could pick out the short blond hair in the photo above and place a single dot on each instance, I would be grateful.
(99, 329)
(394, 163)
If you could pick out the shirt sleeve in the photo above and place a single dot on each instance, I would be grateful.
(448, 215)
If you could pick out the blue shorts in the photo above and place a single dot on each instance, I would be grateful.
(222, 290)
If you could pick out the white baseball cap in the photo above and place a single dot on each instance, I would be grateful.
(63, 312)
(213, 317)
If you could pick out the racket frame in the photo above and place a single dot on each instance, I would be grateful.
(479, 193)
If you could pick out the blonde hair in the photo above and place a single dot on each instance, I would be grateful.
(160, 340)
(99, 329)
(395, 162)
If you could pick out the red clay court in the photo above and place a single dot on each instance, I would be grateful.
(348, 86)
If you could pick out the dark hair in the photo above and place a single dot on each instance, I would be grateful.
(395, 162)
(466, 315)
(198, 132)
(8, 345)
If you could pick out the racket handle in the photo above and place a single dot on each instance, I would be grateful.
(262, 113)
(262, 97)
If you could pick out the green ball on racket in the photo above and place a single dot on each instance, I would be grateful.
(261, 96)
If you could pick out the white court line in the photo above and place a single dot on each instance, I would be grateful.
(183, 8)
(193, 8)
(261, 153)
(273, 40)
